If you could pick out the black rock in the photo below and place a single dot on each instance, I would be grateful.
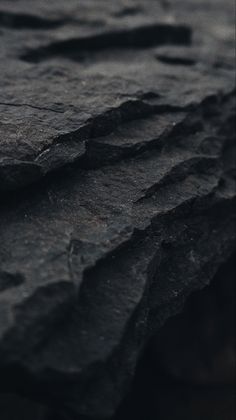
(121, 117)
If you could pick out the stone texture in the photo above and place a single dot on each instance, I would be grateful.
(187, 370)
(117, 185)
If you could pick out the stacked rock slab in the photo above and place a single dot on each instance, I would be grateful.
(117, 170)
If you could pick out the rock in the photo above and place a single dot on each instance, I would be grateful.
(197, 346)
(117, 184)
(187, 370)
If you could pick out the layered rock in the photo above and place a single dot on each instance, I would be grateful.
(117, 183)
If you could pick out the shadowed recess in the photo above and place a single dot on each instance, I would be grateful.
(27, 21)
(140, 37)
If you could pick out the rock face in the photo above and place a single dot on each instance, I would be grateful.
(117, 185)
(187, 370)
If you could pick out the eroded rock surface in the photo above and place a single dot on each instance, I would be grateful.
(117, 167)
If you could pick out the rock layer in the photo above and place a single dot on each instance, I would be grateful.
(117, 179)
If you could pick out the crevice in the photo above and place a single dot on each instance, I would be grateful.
(27, 21)
(140, 37)
(9, 280)
(41, 108)
(176, 61)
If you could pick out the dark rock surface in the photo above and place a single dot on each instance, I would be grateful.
(117, 168)
(187, 370)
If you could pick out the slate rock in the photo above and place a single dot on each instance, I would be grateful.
(117, 178)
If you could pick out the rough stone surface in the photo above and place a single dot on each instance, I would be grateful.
(117, 167)
(187, 370)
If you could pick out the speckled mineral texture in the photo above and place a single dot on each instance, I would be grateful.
(117, 166)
